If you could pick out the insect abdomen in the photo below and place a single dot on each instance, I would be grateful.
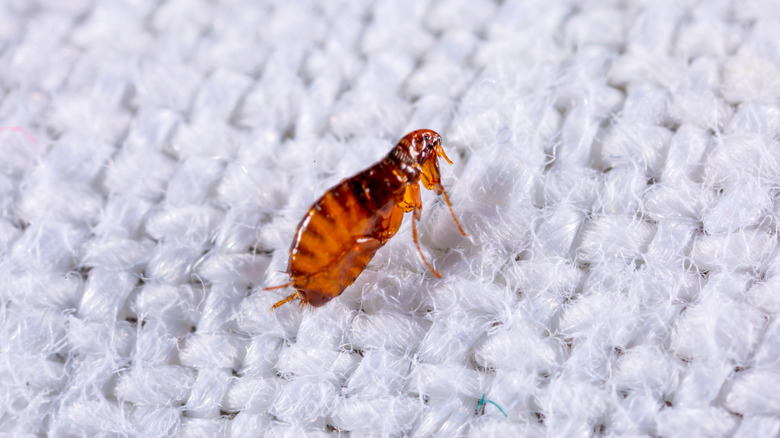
(337, 224)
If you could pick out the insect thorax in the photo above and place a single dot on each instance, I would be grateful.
(404, 163)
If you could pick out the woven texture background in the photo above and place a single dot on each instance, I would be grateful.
(616, 166)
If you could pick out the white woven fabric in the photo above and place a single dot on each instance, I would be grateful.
(616, 165)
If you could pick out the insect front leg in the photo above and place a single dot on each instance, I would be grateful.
(413, 202)
(431, 180)
(452, 213)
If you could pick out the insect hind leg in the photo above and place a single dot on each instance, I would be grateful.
(284, 301)
(281, 286)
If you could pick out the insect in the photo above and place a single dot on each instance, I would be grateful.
(343, 230)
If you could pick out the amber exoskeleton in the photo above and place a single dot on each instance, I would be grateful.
(343, 230)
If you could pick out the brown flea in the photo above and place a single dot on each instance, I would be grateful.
(343, 230)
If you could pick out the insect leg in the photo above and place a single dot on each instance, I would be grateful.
(281, 286)
(417, 244)
(431, 180)
(412, 201)
(286, 300)
(447, 200)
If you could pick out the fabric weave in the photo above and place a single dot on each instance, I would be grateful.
(616, 165)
